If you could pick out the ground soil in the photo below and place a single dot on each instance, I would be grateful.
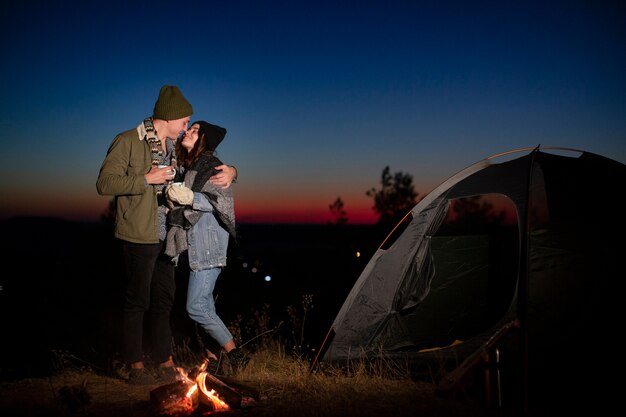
(90, 394)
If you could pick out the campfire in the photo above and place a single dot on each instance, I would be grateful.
(199, 394)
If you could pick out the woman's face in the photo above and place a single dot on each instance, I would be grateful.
(191, 136)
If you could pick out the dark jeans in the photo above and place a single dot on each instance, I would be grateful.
(150, 291)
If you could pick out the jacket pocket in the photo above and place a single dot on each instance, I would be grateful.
(137, 165)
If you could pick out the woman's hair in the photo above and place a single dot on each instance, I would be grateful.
(187, 158)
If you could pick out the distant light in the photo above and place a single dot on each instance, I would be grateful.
(254, 270)
(268, 278)
(358, 254)
(245, 264)
(1, 288)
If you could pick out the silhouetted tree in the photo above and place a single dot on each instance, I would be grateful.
(336, 209)
(395, 198)
(473, 215)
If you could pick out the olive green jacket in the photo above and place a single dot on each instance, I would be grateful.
(122, 175)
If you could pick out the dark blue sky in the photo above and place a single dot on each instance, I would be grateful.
(318, 97)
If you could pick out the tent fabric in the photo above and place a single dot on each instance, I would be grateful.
(556, 272)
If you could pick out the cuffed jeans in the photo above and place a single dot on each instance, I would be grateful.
(201, 304)
(150, 291)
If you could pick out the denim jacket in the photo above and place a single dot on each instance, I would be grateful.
(207, 239)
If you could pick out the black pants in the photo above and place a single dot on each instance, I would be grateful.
(150, 291)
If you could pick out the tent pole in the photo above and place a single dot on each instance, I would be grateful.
(524, 284)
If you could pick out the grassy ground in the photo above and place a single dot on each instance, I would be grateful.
(284, 385)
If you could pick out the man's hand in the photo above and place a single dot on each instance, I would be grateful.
(179, 194)
(159, 175)
(225, 177)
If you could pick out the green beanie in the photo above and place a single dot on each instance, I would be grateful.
(171, 104)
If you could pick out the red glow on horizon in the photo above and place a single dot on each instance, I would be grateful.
(71, 206)
(282, 215)
(76, 207)
(310, 209)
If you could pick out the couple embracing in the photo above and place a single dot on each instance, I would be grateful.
(157, 220)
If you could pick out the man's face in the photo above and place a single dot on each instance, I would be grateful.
(176, 127)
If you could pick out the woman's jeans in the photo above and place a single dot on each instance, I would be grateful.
(201, 305)
(150, 291)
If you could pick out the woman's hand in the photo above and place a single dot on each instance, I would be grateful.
(179, 195)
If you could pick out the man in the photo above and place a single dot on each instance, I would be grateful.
(137, 166)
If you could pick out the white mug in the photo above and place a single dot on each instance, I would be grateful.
(173, 171)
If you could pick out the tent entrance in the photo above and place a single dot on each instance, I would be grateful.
(474, 267)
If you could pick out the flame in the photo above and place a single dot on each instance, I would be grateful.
(191, 391)
(200, 383)
(218, 404)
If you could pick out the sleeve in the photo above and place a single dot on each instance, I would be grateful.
(121, 173)
(201, 202)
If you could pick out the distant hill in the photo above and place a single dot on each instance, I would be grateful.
(67, 288)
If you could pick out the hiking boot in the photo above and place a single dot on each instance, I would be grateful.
(238, 359)
(169, 374)
(213, 367)
(140, 376)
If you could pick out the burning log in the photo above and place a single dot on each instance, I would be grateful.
(204, 393)
(176, 398)
(209, 383)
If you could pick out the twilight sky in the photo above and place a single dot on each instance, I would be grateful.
(318, 97)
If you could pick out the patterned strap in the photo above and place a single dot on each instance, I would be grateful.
(156, 148)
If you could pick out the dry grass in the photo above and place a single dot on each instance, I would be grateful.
(289, 389)
(278, 371)
(285, 385)
(73, 392)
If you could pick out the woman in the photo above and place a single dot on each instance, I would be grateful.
(201, 219)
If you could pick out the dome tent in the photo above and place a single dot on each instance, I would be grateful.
(540, 293)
